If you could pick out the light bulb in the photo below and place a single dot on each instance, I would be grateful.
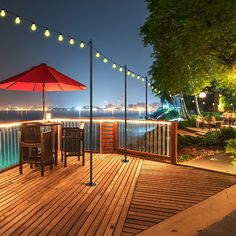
(138, 77)
(121, 69)
(97, 54)
(105, 60)
(149, 84)
(81, 45)
(143, 79)
(128, 73)
(60, 38)
(3, 13)
(17, 20)
(47, 33)
(133, 75)
(72, 41)
(33, 27)
(114, 66)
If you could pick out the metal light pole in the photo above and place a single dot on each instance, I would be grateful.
(91, 183)
(146, 97)
(125, 151)
(146, 104)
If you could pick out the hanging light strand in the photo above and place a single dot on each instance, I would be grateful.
(61, 37)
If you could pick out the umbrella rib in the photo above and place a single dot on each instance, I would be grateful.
(11, 84)
(34, 86)
(60, 86)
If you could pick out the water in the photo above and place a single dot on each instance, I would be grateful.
(11, 116)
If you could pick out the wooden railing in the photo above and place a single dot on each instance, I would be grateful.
(156, 139)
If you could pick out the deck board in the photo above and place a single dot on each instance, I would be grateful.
(165, 190)
(127, 199)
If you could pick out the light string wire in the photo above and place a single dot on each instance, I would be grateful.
(72, 41)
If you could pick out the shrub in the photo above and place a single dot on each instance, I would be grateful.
(213, 139)
(231, 147)
(187, 123)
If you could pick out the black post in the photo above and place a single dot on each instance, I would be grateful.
(125, 151)
(44, 101)
(146, 110)
(146, 97)
(91, 117)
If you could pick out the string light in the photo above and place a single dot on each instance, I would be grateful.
(33, 27)
(105, 60)
(60, 38)
(17, 20)
(3, 13)
(149, 84)
(47, 33)
(81, 45)
(72, 41)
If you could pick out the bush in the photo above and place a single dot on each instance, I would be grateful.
(213, 139)
(187, 123)
(231, 147)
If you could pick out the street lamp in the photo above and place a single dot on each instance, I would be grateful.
(202, 95)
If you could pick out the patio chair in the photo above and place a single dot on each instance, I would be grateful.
(72, 143)
(36, 147)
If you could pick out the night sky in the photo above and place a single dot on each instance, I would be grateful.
(112, 25)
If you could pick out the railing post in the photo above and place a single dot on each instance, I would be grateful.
(174, 143)
(100, 136)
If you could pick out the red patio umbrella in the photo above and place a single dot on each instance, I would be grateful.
(41, 78)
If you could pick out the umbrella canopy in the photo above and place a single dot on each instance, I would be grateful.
(41, 78)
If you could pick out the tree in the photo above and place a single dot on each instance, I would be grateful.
(193, 44)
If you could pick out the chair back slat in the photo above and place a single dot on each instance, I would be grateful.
(30, 133)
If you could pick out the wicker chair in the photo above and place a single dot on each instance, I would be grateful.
(36, 147)
(72, 143)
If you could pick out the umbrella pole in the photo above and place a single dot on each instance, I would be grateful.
(91, 183)
(125, 160)
(43, 101)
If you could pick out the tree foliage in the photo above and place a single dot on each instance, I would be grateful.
(194, 43)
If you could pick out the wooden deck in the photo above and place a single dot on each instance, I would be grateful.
(127, 199)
